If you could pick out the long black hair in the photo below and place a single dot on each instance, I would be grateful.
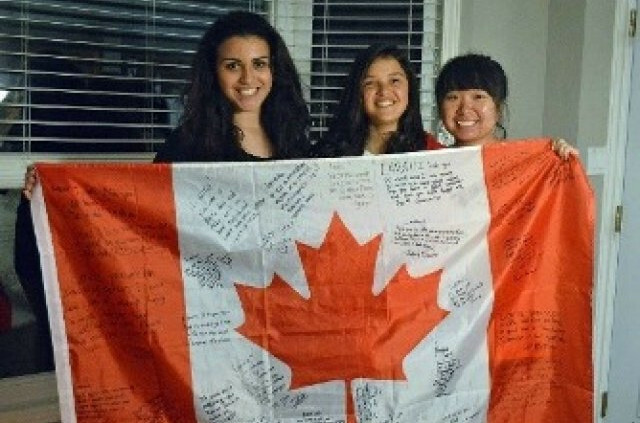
(206, 125)
(349, 126)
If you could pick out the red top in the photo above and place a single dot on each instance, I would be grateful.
(431, 142)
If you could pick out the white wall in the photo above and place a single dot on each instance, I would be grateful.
(579, 54)
(515, 34)
(564, 68)
(557, 56)
(596, 64)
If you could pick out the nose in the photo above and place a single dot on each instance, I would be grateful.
(247, 74)
(381, 88)
(463, 103)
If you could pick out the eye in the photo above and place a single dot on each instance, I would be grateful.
(367, 84)
(450, 97)
(260, 64)
(231, 65)
(479, 94)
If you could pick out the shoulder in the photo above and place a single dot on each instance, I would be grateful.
(431, 142)
(174, 149)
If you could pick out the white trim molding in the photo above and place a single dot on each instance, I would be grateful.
(450, 29)
(617, 126)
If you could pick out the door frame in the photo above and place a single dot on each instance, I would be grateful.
(609, 239)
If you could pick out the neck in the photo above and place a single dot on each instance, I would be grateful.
(378, 139)
(252, 137)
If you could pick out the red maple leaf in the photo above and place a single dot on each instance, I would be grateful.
(343, 331)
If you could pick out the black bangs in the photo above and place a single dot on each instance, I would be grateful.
(472, 71)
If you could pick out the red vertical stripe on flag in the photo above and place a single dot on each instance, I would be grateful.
(121, 289)
(541, 247)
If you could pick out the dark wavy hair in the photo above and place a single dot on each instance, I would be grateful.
(349, 126)
(473, 71)
(206, 124)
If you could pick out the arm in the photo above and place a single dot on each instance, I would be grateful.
(29, 181)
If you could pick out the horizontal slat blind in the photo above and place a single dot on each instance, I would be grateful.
(105, 76)
(97, 75)
(341, 29)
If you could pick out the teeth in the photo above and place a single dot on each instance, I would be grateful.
(384, 103)
(248, 91)
(466, 122)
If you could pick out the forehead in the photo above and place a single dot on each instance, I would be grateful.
(241, 46)
(384, 66)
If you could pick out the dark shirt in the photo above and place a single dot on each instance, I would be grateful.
(175, 150)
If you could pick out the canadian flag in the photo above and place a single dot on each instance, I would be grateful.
(450, 286)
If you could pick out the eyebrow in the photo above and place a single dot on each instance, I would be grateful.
(236, 59)
(368, 76)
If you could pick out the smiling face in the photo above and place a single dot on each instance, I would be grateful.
(385, 93)
(244, 72)
(470, 116)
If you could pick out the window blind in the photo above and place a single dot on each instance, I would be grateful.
(87, 78)
(97, 75)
